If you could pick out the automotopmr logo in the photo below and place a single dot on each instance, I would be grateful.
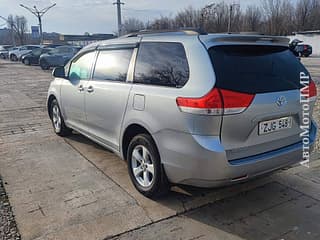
(306, 117)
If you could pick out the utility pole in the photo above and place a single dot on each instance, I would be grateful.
(119, 3)
(12, 28)
(230, 15)
(39, 14)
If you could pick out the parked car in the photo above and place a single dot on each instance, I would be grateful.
(17, 52)
(52, 45)
(4, 51)
(58, 57)
(34, 56)
(292, 46)
(185, 108)
(303, 50)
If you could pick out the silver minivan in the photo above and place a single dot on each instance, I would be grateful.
(185, 108)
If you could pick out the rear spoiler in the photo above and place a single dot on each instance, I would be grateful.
(216, 39)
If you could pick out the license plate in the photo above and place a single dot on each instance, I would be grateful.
(275, 125)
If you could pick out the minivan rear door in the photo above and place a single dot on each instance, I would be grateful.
(271, 74)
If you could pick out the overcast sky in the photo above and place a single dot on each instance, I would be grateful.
(98, 16)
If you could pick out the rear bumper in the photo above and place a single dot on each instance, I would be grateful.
(201, 160)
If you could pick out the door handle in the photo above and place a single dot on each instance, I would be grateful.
(90, 89)
(81, 88)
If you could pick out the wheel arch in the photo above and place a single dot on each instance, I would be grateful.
(49, 101)
(129, 133)
(11, 55)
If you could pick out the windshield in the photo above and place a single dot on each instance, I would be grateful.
(54, 51)
(37, 51)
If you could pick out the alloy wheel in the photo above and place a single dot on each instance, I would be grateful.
(56, 118)
(142, 166)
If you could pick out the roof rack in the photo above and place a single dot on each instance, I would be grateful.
(186, 31)
(243, 33)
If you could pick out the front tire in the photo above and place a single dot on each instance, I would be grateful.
(57, 120)
(144, 166)
(26, 62)
(13, 58)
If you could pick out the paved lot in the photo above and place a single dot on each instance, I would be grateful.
(73, 189)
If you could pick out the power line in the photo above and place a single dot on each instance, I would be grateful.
(119, 3)
(39, 14)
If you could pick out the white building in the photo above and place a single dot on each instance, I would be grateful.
(309, 37)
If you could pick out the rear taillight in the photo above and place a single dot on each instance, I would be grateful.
(216, 102)
(310, 90)
(236, 102)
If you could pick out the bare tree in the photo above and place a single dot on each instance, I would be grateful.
(218, 21)
(19, 25)
(132, 25)
(303, 12)
(287, 18)
(162, 23)
(315, 15)
(188, 18)
(252, 19)
(275, 17)
(271, 9)
(279, 16)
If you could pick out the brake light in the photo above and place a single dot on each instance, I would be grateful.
(216, 102)
(236, 102)
(310, 90)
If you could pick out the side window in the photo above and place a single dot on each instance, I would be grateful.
(57, 50)
(68, 50)
(64, 50)
(112, 65)
(163, 64)
(81, 67)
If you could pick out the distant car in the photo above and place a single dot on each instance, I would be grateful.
(4, 51)
(33, 57)
(303, 50)
(52, 45)
(58, 57)
(17, 52)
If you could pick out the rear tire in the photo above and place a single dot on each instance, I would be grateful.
(58, 124)
(44, 65)
(144, 167)
(13, 58)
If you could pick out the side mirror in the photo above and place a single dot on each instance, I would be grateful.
(58, 72)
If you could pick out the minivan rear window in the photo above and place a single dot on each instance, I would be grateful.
(256, 69)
